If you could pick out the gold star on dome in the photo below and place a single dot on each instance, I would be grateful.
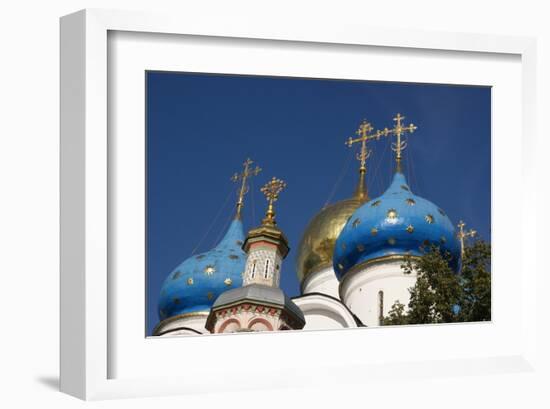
(209, 270)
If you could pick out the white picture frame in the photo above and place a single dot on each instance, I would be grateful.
(86, 354)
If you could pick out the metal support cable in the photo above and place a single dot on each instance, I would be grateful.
(343, 172)
(214, 220)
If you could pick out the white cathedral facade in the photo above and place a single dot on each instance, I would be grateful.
(349, 260)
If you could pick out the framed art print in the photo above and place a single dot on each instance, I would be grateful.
(356, 219)
(237, 195)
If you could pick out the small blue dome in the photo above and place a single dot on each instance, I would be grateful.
(396, 223)
(195, 284)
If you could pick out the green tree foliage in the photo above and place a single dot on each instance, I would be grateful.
(440, 295)
(475, 303)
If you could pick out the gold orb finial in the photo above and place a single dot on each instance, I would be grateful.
(271, 190)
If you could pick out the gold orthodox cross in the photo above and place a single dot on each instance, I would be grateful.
(399, 129)
(271, 190)
(463, 235)
(248, 172)
(363, 136)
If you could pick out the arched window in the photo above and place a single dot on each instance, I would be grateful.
(253, 272)
(380, 307)
(266, 272)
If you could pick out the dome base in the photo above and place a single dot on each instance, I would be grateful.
(370, 290)
(323, 281)
(191, 323)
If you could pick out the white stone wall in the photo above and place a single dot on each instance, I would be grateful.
(195, 321)
(360, 289)
(323, 281)
(263, 265)
(322, 312)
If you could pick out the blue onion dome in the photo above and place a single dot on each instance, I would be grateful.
(194, 285)
(396, 223)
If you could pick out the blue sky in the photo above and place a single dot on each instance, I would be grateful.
(201, 127)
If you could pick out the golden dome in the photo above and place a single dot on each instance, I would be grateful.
(317, 244)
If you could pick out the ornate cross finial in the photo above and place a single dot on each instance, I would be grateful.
(363, 136)
(399, 129)
(271, 191)
(463, 235)
(248, 172)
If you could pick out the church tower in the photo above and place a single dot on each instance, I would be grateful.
(266, 245)
(373, 244)
(259, 305)
(189, 291)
